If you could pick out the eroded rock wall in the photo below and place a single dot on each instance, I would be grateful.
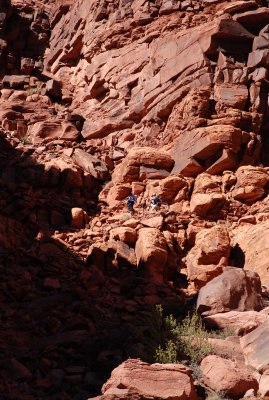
(101, 99)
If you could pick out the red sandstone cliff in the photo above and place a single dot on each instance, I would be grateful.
(101, 99)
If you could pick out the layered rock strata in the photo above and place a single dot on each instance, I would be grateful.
(101, 99)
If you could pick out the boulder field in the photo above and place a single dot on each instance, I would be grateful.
(101, 99)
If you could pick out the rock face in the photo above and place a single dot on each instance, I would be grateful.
(157, 381)
(151, 252)
(100, 99)
(225, 375)
(237, 320)
(234, 289)
(209, 256)
(255, 346)
(251, 239)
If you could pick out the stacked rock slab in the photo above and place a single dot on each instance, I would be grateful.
(100, 99)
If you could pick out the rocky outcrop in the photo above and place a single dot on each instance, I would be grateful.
(100, 99)
(209, 256)
(225, 375)
(251, 239)
(234, 289)
(237, 320)
(136, 379)
(151, 253)
(255, 347)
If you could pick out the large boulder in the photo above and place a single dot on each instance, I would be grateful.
(142, 163)
(207, 197)
(156, 381)
(264, 384)
(234, 96)
(201, 144)
(255, 346)
(124, 234)
(107, 255)
(236, 320)
(170, 187)
(234, 289)
(209, 256)
(251, 241)
(49, 130)
(250, 185)
(77, 218)
(151, 253)
(90, 164)
(225, 375)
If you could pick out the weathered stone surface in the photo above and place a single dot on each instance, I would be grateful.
(77, 218)
(234, 96)
(91, 164)
(151, 253)
(170, 187)
(130, 169)
(253, 17)
(158, 381)
(234, 289)
(52, 130)
(242, 321)
(250, 184)
(209, 256)
(15, 81)
(203, 143)
(264, 383)
(256, 347)
(154, 222)
(207, 197)
(251, 240)
(225, 375)
(125, 234)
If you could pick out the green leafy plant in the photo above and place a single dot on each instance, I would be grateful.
(25, 140)
(222, 334)
(168, 354)
(35, 89)
(32, 91)
(187, 339)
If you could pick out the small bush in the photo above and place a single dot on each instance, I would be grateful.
(221, 395)
(196, 372)
(168, 354)
(194, 338)
(32, 91)
(222, 334)
(189, 339)
(125, 217)
(25, 140)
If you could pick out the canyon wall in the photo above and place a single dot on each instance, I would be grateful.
(101, 99)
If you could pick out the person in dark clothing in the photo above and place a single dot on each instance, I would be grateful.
(130, 202)
(155, 203)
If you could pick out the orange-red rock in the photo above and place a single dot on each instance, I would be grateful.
(234, 289)
(209, 256)
(151, 253)
(225, 375)
(158, 381)
(255, 346)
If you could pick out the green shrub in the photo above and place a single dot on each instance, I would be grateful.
(188, 339)
(25, 140)
(222, 334)
(196, 372)
(168, 354)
